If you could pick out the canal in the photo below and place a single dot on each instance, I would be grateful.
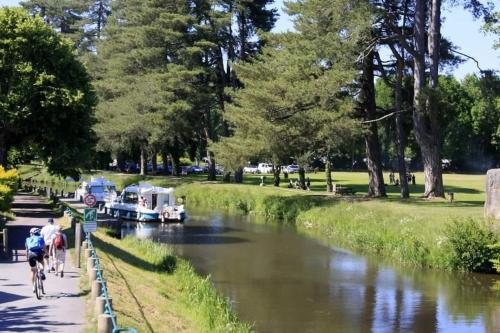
(284, 282)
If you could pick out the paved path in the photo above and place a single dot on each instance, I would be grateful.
(62, 309)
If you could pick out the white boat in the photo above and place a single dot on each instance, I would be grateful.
(101, 188)
(145, 203)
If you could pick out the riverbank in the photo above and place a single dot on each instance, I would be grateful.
(155, 291)
(416, 232)
(428, 233)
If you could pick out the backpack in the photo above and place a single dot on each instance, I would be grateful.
(59, 241)
(35, 244)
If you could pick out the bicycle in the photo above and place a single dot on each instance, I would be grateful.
(38, 284)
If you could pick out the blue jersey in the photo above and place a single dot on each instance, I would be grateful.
(35, 244)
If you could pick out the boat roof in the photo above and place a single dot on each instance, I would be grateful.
(98, 182)
(148, 188)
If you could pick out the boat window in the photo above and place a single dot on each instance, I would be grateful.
(130, 198)
(108, 189)
(154, 200)
(97, 189)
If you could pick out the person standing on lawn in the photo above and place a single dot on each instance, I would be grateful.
(58, 247)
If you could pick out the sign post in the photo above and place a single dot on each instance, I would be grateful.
(89, 219)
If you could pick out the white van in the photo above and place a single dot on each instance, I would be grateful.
(265, 168)
(101, 188)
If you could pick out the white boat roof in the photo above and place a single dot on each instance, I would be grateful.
(148, 188)
(98, 182)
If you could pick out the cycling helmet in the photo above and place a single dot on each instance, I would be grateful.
(35, 231)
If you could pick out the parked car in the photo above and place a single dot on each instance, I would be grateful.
(265, 168)
(292, 168)
(197, 169)
(251, 169)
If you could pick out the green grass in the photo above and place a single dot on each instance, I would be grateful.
(153, 290)
(410, 231)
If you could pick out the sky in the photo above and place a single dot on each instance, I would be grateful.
(459, 27)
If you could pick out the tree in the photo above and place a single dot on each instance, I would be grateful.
(153, 59)
(46, 99)
(65, 16)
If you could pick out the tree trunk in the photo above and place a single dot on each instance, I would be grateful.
(143, 161)
(276, 175)
(376, 186)
(227, 177)
(238, 176)
(120, 162)
(243, 35)
(212, 172)
(302, 177)
(175, 158)
(3, 150)
(400, 142)
(328, 174)
(164, 158)
(425, 121)
(154, 164)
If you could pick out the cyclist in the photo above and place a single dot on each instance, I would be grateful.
(35, 248)
(48, 232)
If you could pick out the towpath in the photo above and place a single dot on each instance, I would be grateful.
(62, 309)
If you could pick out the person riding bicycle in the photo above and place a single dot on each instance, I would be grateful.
(35, 249)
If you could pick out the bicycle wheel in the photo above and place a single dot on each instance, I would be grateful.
(38, 292)
(41, 285)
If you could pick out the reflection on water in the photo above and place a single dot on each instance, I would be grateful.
(284, 282)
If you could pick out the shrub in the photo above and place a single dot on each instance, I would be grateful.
(8, 184)
(468, 246)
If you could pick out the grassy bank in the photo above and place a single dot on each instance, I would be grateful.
(155, 291)
(417, 231)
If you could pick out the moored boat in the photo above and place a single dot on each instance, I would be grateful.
(146, 203)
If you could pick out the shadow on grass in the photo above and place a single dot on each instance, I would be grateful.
(124, 255)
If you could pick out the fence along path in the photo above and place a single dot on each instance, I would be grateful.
(62, 309)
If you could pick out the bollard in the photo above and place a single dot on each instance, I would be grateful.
(88, 253)
(104, 323)
(90, 264)
(96, 289)
(78, 241)
(6, 242)
(100, 305)
(94, 273)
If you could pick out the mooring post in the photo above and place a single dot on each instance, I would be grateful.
(104, 323)
(78, 242)
(100, 305)
(96, 289)
(6, 242)
(90, 264)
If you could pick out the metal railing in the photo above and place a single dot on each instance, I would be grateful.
(108, 310)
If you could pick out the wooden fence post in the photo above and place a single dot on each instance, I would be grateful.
(78, 242)
(6, 242)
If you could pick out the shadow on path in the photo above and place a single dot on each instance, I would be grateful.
(14, 319)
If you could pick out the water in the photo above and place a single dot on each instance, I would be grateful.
(284, 282)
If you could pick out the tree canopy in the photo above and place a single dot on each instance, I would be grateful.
(46, 96)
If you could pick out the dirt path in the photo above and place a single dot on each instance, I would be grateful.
(62, 309)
